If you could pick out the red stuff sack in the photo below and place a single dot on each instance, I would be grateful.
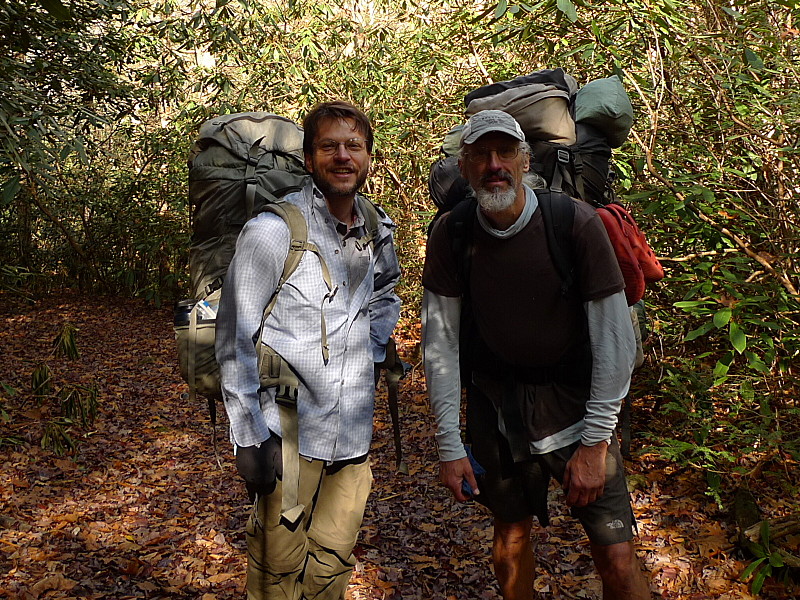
(637, 261)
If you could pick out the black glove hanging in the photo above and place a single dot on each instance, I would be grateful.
(260, 466)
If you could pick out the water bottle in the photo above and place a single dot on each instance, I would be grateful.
(182, 311)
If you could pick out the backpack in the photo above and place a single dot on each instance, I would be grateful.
(239, 166)
(571, 132)
(242, 164)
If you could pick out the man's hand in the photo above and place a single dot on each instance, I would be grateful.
(453, 473)
(585, 474)
(260, 466)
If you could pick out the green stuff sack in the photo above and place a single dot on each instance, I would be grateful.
(604, 104)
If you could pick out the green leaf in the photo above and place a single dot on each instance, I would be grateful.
(776, 560)
(754, 362)
(765, 534)
(751, 568)
(56, 9)
(690, 303)
(699, 332)
(737, 337)
(721, 317)
(752, 59)
(722, 367)
(568, 8)
(733, 12)
(10, 189)
(758, 580)
(501, 9)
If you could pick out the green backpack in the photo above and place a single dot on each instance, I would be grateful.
(240, 165)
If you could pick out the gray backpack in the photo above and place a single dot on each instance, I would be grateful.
(240, 165)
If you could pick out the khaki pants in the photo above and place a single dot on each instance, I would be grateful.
(314, 561)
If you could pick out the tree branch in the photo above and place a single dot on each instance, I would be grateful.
(739, 242)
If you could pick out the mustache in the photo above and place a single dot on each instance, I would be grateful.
(502, 174)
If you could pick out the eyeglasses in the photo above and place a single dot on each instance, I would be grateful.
(482, 154)
(352, 146)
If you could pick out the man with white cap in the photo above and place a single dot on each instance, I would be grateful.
(545, 368)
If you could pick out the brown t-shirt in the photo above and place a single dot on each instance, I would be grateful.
(515, 289)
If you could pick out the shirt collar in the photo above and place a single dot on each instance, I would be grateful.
(531, 202)
(319, 204)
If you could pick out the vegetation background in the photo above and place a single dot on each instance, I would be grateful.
(100, 103)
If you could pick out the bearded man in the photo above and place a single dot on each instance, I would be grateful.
(545, 370)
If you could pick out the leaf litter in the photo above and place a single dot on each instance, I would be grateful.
(141, 509)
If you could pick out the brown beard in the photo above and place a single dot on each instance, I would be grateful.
(331, 192)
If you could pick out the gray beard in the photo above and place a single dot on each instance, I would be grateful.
(495, 201)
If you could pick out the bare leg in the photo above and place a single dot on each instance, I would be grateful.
(620, 572)
(512, 555)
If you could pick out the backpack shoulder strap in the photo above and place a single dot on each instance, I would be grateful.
(460, 223)
(372, 214)
(298, 238)
(558, 214)
(298, 244)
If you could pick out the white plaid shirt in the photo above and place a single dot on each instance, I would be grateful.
(335, 400)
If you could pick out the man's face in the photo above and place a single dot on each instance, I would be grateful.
(339, 162)
(494, 167)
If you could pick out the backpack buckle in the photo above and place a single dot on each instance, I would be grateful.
(562, 155)
(286, 396)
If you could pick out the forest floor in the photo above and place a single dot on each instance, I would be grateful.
(141, 510)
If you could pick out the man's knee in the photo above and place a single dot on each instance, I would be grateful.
(512, 539)
(615, 561)
(327, 573)
(275, 549)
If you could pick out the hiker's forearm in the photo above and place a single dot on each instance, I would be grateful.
(440, 329)
(249, 283)
(613, 355)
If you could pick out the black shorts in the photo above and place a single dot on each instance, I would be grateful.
(515, 491)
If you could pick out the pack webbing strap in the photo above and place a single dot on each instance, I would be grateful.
(251, 184)
(561, 166)
(291, 509)
(191, 370)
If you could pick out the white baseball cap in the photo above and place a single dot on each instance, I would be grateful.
(488, 121)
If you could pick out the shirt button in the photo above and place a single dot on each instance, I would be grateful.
(336, 252)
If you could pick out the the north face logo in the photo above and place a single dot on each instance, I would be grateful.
(615, 524)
